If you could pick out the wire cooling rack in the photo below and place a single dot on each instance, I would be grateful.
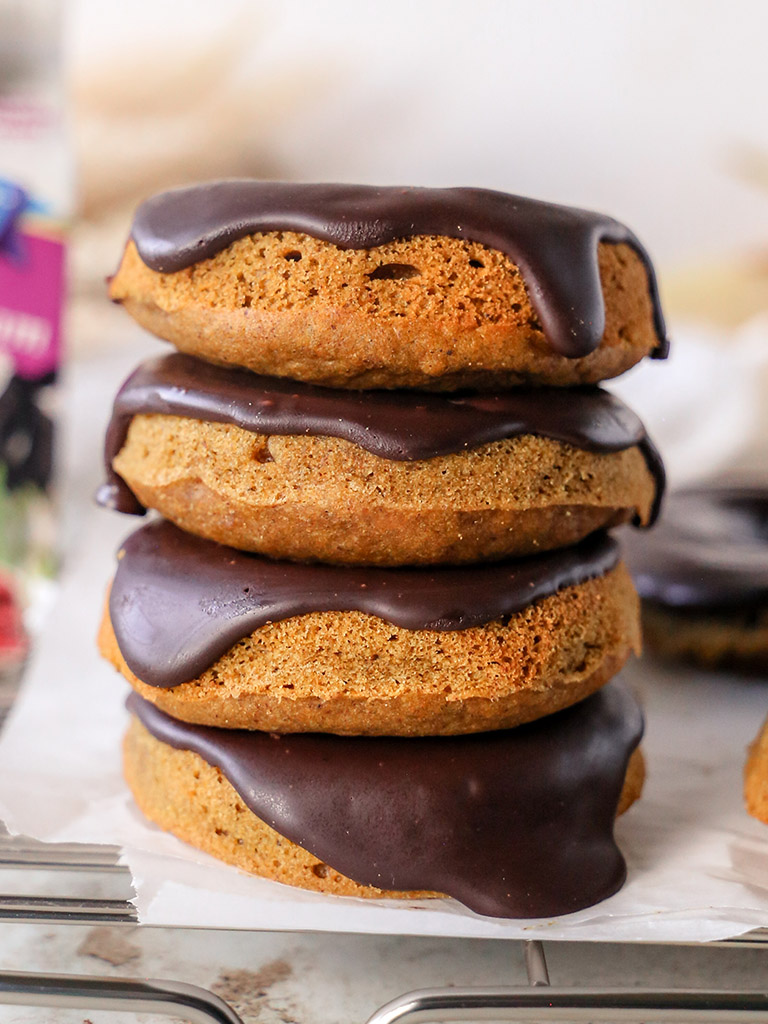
(539, 1001)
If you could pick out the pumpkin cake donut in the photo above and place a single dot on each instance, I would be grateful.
(756, 776)
(517, 823)
(219, 637)
(374, 478)
(703, 576)
(363, 287)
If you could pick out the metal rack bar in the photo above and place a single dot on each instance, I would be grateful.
(59, 857)
(83, 992)
(18, 851)
(542, 1003)
(536, 963)
(63, 909)
(575, 1005)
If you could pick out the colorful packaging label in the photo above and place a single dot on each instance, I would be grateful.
(31, 286)
(31, 305)
(36, 200)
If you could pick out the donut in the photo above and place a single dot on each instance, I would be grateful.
(702, 573)
(219, 637)
(517, 823)
(374, 478)
(756, 776)
(363, 287)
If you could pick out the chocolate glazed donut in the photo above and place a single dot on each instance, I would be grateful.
(703, 575)
(178, 603)
(392, 425)
(512, 824)
(555, 246)
(397, 288)
(224, 638)
(299, 472)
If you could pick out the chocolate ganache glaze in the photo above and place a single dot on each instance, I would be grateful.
(708, 551)
(517, 823)
(554, 246)
(401, 426)
(178, 603)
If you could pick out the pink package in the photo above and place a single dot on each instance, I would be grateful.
(35, 195)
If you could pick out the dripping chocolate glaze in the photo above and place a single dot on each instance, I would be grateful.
(178, 603)
(516, 823)
(708, 551)
(393, 425)
(554, 246)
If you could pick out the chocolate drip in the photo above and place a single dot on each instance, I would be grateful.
(393, 425)
(554, 246)
(513, 824)
(709, 550)
(178, 603)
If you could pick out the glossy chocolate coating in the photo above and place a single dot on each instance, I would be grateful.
(708, 551)
(516, 823)
(554, 246)
(178, 603)
(391, 424)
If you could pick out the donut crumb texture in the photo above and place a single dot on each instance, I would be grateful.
(424, 312)
(355, 674)
(326, 499)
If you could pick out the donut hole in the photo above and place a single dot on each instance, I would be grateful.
(293, 255)
(476, 263)
(394, 272)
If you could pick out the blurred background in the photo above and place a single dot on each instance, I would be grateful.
(652, 111)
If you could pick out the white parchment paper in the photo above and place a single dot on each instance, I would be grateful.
(698, 865)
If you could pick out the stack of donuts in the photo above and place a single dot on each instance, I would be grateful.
(372, 632)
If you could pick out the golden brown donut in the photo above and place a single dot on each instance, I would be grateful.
(703, 575)
(184, 795)
(756, 776)
(714, 640)
(458, 315)
(355, 674)
(326, 499)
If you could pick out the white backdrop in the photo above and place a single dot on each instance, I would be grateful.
(653, 110)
